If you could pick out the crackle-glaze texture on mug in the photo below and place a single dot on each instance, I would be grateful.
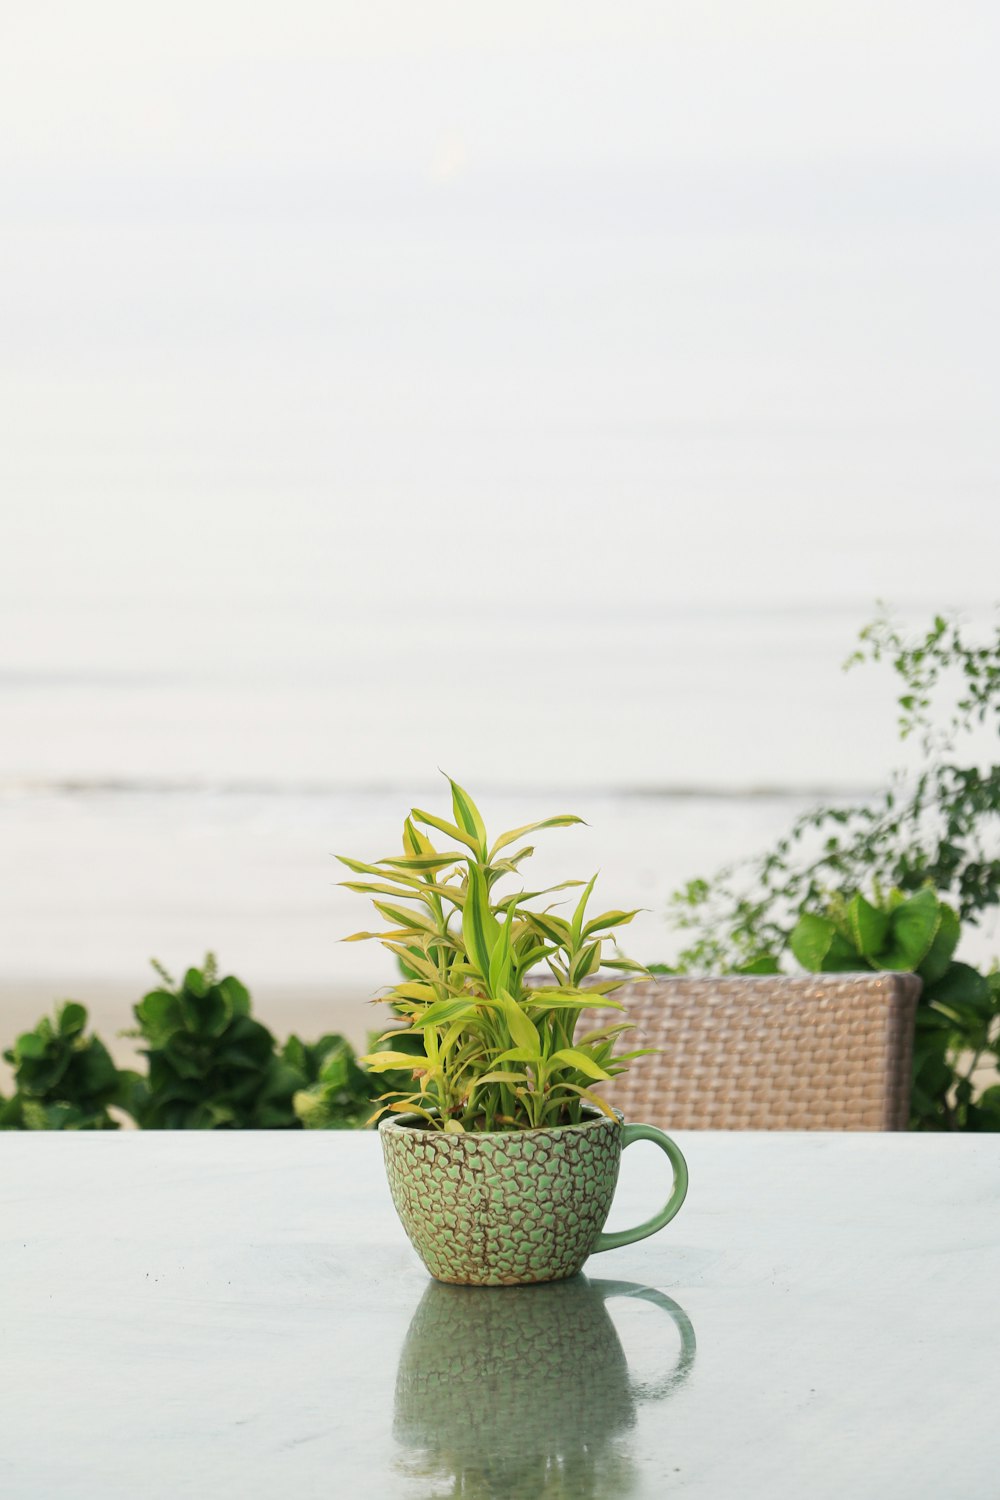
(503, 1209)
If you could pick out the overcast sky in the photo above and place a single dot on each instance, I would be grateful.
(548, 307)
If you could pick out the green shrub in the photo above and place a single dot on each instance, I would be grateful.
(958, 1018)
(335, 1093)
(935, 829)
(938, 825)
(211, 1066)
(64, 1079)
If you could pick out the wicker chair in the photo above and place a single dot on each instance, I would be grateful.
(774, 1052)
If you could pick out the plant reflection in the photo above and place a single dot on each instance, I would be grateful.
(526, 1391)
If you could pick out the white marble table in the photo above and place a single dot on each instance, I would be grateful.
(224, 1316)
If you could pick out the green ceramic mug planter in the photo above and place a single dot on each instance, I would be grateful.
(509, 1208)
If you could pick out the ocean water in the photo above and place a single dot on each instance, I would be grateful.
(168, 814)
(97, 881)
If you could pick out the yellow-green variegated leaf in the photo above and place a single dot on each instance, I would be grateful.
(414, 990)
(382, 1062)
(576, 926)
(518, 1054)
(480, 928)
(443, 826)
(567, 998)
(392, 1034)
(459, 1006)
(411, 1107)
(594, 1099)
(521, 896)
(606, 1033)
(468, 816)
(526, 958)
(414, 841)
(423, 864)
(432, 944)
(361, 937)
(403, 918)
(606, 987)
(358, 867)
(500, 959)
(451, 1038)
(564, 820)
(418, 887)
(413, 961)
(449, 892)
(373, 888)
(553, 929)
(422, 891)
(586, 962)
(521, 1027)
(572, 1057)
(609, 920)
(513, 860)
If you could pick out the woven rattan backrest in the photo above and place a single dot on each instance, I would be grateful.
(772, 1052)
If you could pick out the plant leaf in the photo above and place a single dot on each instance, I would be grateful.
(381, 1062)
(443, 826)
(564, 820)
(521, 1027)
(572, 1057)
(913, 926)
(593, 1099)
(576, 926)
(934, 965)
(480, 928)
(468, 816)
(402, 918)
(424, 863)
(446, 1010)
(810, 941)
(414, 841)
(868, 926)
(609, 920)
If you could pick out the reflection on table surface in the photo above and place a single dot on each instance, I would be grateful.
(222, 1314)
(503, 1393)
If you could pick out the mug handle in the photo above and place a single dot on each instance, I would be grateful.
(656, 1390)
(632, 1133)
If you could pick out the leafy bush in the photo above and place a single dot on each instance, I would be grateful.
(211, 1066)
(932, 831)
(939, 826)
(334, 1092)
(958, 1018)
(64, 1079)
(496, 1049)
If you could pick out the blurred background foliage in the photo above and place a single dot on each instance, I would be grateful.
(888, 882)
(209, 1065)
(930, 839)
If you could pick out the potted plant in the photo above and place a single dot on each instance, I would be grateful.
(501, 1158)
